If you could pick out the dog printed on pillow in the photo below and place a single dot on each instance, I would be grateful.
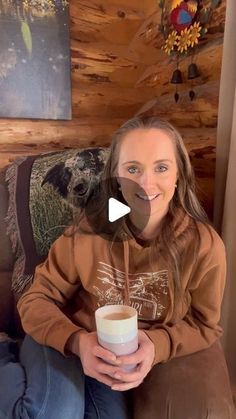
(76, 177)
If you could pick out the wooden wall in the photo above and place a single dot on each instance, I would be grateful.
(103, 72)
(118, 70)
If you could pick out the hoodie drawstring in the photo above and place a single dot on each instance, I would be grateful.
(126, 262)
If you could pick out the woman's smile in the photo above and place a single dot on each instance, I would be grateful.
(147, 197)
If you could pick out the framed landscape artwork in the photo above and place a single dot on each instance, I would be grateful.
(35, 59)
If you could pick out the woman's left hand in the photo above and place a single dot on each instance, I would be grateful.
(143, 358)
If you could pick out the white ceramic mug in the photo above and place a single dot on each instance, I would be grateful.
(117, 329)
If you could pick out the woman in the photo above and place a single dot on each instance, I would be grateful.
(165, 260)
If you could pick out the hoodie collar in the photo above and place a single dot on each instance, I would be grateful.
(181, 222)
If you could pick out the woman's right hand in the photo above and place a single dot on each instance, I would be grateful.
(96, 361)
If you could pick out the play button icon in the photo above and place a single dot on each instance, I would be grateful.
(116, 210)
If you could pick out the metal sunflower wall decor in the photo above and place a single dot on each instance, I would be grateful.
(184, 25)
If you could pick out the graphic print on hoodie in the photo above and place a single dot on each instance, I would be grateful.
(148, 291)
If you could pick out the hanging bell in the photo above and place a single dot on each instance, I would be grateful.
(177, 77)
(193, 71)
(191, 94)
(176, 96)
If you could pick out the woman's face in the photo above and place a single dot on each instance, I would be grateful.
(147, 157)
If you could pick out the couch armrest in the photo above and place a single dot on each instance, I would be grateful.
(6, 302)
(6, 254)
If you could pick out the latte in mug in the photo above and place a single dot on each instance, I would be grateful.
(117, 316)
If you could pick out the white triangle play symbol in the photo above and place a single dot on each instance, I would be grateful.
(116, 209)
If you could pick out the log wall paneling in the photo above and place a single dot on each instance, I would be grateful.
(118, 69)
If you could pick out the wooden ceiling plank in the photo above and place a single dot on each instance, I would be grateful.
(120, 8)
(92, 15)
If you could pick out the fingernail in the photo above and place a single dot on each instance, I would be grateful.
(117, 376)
(115, 361)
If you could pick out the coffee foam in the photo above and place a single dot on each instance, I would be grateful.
(117, 327)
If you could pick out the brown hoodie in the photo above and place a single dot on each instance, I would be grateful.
(83, 272)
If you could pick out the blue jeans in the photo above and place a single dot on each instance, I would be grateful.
(39, 383)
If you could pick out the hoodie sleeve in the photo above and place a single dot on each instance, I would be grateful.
(199, 328)
(55, 282)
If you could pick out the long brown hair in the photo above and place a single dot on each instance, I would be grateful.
(183, 202)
